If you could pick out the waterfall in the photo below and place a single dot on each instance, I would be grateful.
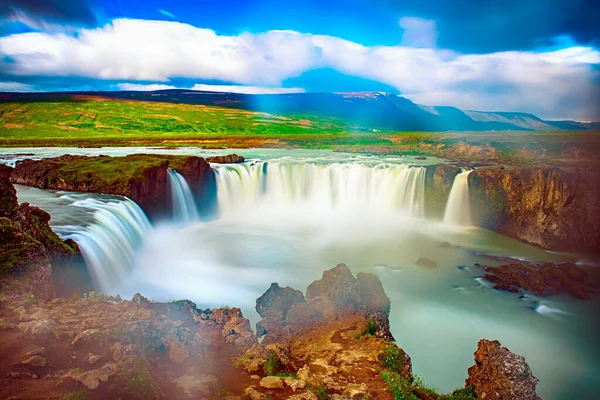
(110, 243)
(321, 187)
(458, 207)
(184, 206)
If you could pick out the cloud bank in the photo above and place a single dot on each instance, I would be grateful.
(554, 84)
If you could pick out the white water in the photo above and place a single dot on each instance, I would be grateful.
(184, 206)
(109, 245)
(321, 189)
(458, 207)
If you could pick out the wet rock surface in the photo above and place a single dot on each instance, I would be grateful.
(540, 279)
(499, 374)
(557, 209)
(228, 159)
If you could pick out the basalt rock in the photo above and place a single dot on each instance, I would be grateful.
(141, 177)
(557, 209)
(228, 159)
(28, 246)
(438, 183)
(540, 279)
(338, 294)
(499, 374)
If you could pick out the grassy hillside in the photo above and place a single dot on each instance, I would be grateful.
(96, 121)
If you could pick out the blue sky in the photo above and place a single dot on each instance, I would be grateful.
(539, 56)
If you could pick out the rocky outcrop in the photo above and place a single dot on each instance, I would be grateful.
(438, 183)
(228, 159)
(141, 177)
(28, 246)
(554, 208)
(499, 374)
(286, 312)
(110, 348)
(540, 279)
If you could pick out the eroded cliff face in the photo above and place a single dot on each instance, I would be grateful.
(141, 177)
(28, 246)
(554, 208)
(438, 183)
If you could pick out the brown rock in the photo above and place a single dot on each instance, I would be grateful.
(540, 279)
(271, 382)
(339, 286)
(35, 361)
(177, 352)
(426, 262)
(228, 159)
(500, 374)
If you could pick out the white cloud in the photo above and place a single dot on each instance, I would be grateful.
(167, 13)
(418, 32)
(211, 88)
(560, 83)
(15, 87)
(245, 89)
(144, 88)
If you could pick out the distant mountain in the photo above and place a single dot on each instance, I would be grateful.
(361, 110)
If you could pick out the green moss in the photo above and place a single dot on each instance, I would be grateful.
(467, 393)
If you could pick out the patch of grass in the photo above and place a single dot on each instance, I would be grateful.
(80, 395)
(271, 364)
(467, 393)
(96, 297)
(371, 328)
(285, 375)
(137, 379)
(321, 392)
(393, 359)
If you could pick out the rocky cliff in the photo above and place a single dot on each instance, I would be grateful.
(141, 177)
(28, 246)
(557, 209)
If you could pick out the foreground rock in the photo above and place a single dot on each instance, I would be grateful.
(499, 374)
(141, 177)
(557, 209)
(28, 246)
(338, 294)
(540, 279)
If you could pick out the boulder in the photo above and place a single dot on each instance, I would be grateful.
(426, 262)
(177, 352)
(338, 285)
(499, 374)
(271, 382)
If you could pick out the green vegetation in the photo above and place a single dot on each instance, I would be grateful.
(94, 122)
(95, 297)
(137, 381)
(407, 386)
(371, 328)
(271, 364)
(320, 391)
(393, 359)
(80, 395)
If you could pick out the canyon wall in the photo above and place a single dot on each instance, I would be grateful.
(28, 246)
(557, 209)
(141, 177)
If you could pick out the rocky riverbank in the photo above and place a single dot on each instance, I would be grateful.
(557, 209)
(141, 177)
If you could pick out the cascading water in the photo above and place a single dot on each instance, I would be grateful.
(184, 206)
(458, 207)
(110, 243)
(321, 187)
